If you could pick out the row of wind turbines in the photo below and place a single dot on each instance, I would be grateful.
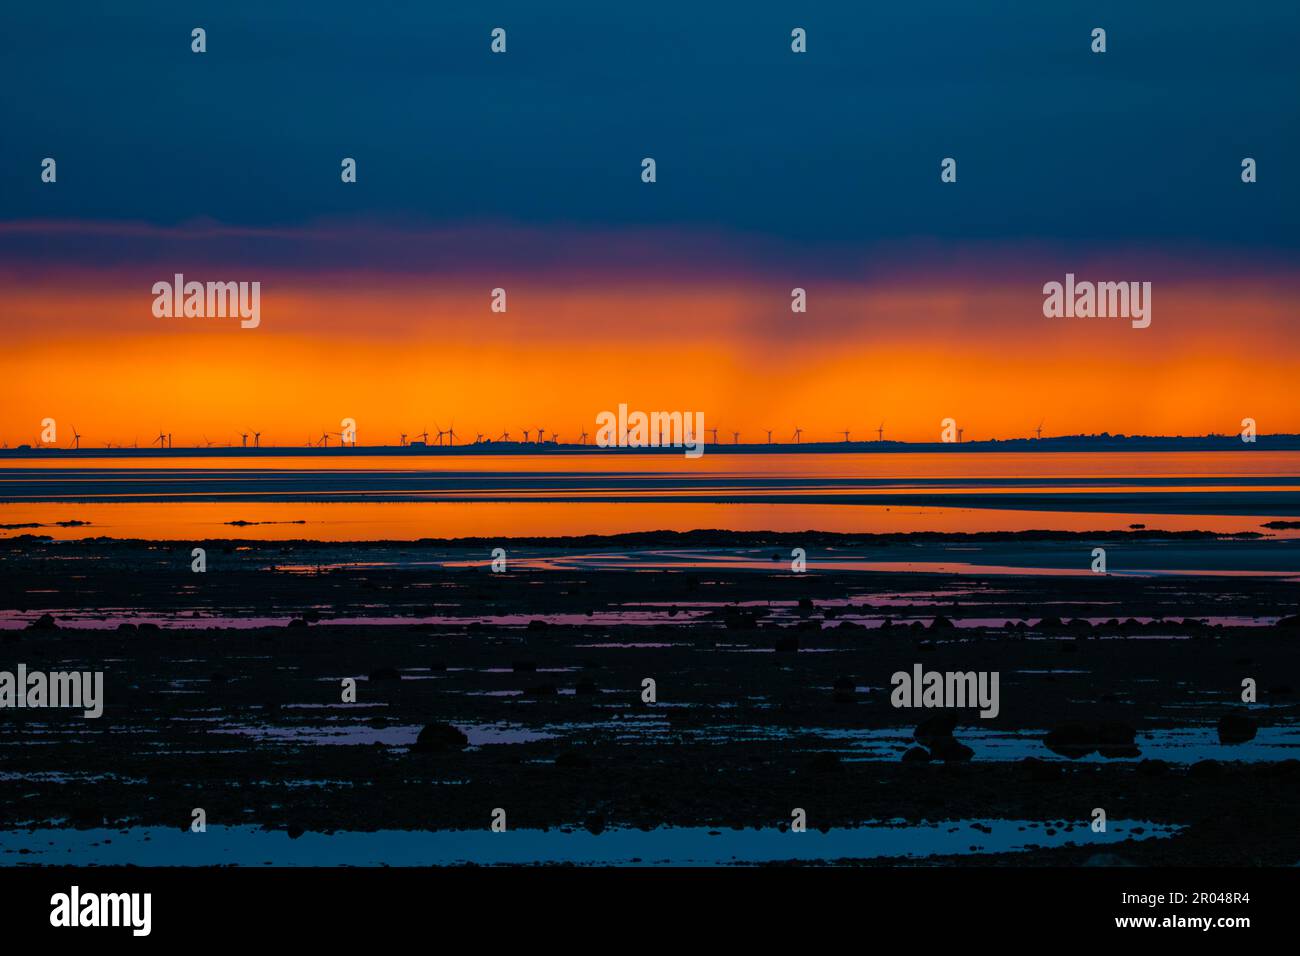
(446, 437)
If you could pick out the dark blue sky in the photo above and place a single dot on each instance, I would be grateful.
(841, 145)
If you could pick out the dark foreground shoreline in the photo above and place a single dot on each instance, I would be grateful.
(772, 693)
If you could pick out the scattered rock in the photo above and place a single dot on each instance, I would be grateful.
(440, 738)
(1237, 727)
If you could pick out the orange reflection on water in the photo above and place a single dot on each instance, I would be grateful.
(408, 521)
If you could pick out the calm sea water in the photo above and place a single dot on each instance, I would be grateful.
(399, 498)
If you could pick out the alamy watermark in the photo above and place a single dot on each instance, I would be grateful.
(1101, 300)
(60, 689)
(213, 300)
(927, 689)
(653, 430)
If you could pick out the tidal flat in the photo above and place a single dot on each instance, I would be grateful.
(225, 691)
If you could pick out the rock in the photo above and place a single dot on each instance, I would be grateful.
(126, 627)
(1116, 739)
(149, 627)
(934, 728)
(43, 623)
(440, 738)
(916, 755)
(1071, 740)
(1237, 727)
(950, 749)
(537, 624)
(297, 622)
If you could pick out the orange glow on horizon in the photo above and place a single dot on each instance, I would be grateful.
(412, 356)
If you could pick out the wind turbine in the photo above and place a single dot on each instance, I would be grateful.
(243, 439)
(478, 438)
(769, 436)
(1039, 429)
(401, 442)
(76, 438)
(880, 432)
(735, 438)
(541, 433)
(526, 433)
(505, 436)
(845, 433)
(451, 434)
(555, 438)
(161, 440)
(797, 432)
(584, 436)
(715, 435)
(959, 431)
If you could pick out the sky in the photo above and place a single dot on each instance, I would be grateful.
(522, 171)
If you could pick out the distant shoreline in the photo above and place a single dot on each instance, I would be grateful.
(1063, 444)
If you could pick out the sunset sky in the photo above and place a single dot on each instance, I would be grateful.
(522, 171)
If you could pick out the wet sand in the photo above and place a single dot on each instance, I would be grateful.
(772, 694)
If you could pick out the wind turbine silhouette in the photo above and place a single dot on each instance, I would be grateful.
(243, 439)
(76, 438)
(541, 434)
(478, 438)
(505, 436)
(257, 439)
(401, 442)
(880, 432)
(555, 438)
(769, 436)
(1039, 429)
(584, 436)
(959, 432)
(715, 435)
(526, 433)
(797, 432)
(424, 435)
(735, 438)
(845, 433)
(161, 440)
(451, 434)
